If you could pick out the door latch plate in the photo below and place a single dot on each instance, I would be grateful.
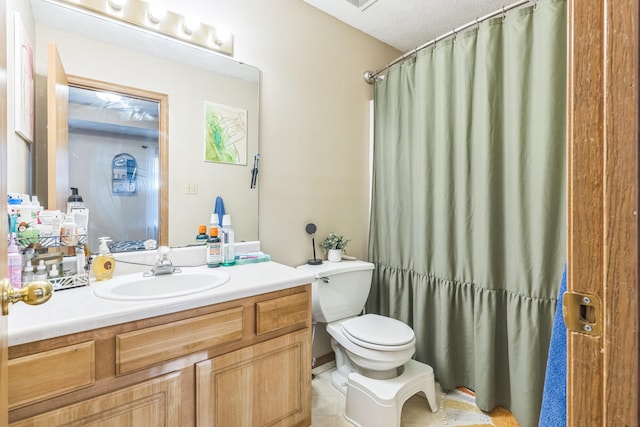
(581, 313)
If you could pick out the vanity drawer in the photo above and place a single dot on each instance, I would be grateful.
(146, 347)
(282, 312)
(51, 373)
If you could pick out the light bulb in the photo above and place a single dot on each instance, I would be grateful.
(116, 4)
(223, 35)
(191, 23)
(157, 12)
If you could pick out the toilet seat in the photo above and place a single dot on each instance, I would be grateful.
(378, 333)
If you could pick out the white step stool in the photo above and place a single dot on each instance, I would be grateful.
(372, 402)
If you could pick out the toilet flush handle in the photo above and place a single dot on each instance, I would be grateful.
(325, 279)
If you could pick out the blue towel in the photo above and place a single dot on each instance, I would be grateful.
(219, 209)
(554, 396)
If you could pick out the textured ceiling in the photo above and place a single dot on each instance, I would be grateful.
(407, 24)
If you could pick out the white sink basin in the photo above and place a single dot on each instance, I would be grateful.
(136, 287)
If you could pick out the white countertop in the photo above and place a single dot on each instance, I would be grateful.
(78, 309)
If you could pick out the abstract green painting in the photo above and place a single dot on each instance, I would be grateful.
(226, 134)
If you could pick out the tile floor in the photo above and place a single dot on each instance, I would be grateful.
(328, 404)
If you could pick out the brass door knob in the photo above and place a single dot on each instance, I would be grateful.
(34, 294)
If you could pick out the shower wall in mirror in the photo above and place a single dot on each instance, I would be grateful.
(190, 77)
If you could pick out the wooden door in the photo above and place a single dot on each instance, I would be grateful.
(57, 131)
(264, 385)
(3, 214)
(602, 194)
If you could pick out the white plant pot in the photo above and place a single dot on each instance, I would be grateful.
(335, 255)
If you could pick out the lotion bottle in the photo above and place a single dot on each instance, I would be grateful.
(104, 263)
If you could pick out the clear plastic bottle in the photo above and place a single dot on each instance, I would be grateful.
(54, 273)
(27, 276)
(228, 243)
(15, 265)
(41, 272)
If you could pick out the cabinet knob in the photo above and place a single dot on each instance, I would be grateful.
(34, 294)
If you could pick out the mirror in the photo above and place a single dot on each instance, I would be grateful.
(193, 79)
(114, 138)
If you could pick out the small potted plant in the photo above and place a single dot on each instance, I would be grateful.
(334, 245)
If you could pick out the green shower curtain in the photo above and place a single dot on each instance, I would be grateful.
(468, 205)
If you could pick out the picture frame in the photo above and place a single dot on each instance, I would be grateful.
(225, 134)
(24, 86)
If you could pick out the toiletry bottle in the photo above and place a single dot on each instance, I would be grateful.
(68, 232)
(228, 245)
(213, 222)
(78, 212)
(202, 237)
(74, 200)
(81, 259)
(41, 272)
(27, 275)
(15, 265)
(104, 263)
(54, 273)
(214, 249)
(69, 265)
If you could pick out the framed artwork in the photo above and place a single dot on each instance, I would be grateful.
(225, 134)
(24, 90)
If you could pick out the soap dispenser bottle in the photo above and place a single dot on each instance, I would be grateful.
(77, 212)
(104, 263)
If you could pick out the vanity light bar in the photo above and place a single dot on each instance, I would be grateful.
(144, 15)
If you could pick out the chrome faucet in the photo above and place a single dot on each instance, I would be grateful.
(163, 264)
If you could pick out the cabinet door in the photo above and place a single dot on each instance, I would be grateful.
(268, 384)
(152, 403)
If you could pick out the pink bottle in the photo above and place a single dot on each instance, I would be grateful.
(15, 265)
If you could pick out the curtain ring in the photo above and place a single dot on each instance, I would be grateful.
(535, 5)
(504, 14)
(435, 41)
(477, 25)
(455, 35)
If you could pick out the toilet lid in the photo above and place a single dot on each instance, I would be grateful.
(378, 330)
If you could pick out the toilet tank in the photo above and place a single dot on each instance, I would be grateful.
(340, 289)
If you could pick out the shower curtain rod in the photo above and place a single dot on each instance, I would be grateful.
(370, 76)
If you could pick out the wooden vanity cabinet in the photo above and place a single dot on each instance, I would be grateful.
(239, 363)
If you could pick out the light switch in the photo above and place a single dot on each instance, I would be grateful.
(191, 188)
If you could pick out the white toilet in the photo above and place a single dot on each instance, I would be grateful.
(373, 353)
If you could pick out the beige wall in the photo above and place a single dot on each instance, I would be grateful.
(314, 118)
(18, 150)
